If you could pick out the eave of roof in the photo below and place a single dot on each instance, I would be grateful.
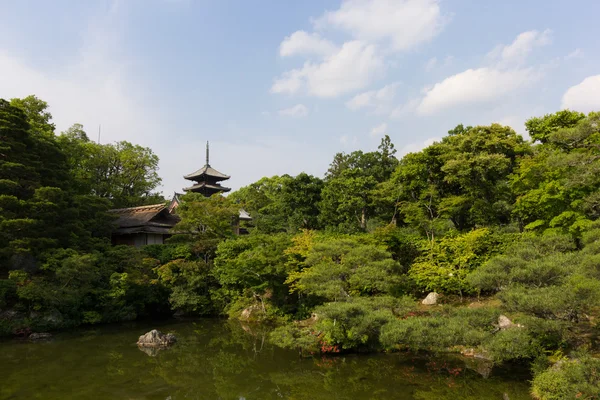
(208, 171)
(208, 186)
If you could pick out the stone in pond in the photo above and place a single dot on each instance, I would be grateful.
(40, 336)
(156, 338)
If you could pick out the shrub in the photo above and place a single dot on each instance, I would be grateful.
(577, 378)
(512, 344)
(432, 333)
(356, 324)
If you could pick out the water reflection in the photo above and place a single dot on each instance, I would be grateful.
(222, 360)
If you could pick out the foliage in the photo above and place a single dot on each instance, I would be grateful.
(336, 269)
(463, 179)
(190, 283)
(282, 203)
(444, 264)
(557, 186)
(253, 267)
(349, 197)
(356, 323)
(574, 378)
(122, 172)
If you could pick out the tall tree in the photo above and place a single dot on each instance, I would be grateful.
(557, 186)
(349, 198)
(464, 178)
(124, 173)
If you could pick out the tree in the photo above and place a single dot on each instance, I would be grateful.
(282, 203)
(38, 116)
(205, 222)
(124, 173)
(339, 268)
(349, 197)
(464, 178)
(557, 186)
(540, 128)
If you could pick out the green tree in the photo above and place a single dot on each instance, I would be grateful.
(557, 186)
(540, 128)
(340, 268)
(349, 196)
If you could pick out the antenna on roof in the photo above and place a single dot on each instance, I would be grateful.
(207, 154)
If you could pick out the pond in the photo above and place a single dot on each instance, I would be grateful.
(216, 359)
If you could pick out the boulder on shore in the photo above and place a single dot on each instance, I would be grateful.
(156, 338)
(431, 299)
(505, 323)
(40, 336)
(252, 313)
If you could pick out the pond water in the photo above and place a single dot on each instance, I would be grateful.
(222, 360)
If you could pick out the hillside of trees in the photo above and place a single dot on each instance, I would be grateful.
(496, 224)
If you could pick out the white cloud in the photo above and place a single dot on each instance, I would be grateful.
(584, 96)
(403, 24)
(417, 146)
(303, 43)
(297, 111)
(519, 49)
(379, 130)
(577, 53)
(378, 101)
(95, 89)
(353, 67)
(474, 86)
(406, 108)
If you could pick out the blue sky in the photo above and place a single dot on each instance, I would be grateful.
(281, 86)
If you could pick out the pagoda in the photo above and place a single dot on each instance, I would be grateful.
(207, 180)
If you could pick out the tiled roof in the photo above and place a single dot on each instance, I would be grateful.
(208, 186)
(208, 171)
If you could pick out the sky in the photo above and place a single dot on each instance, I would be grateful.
(282, 86)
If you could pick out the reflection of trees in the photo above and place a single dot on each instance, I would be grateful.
(222, 360)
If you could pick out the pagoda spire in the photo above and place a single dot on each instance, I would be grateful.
(207, 154)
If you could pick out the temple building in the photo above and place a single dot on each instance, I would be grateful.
(140, 226)
(207, 180)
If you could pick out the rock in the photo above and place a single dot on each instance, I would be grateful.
(156, 338)
(431, 299)
(251, 313)
(504, 322)
(40, 336)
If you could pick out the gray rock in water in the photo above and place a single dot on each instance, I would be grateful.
(431, 299)
(156, 338)
(40, 336)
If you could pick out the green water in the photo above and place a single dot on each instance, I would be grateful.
(221, 360)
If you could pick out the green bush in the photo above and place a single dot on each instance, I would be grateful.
(577, 378)
(438, 332)
(356, 323)
(512, 344)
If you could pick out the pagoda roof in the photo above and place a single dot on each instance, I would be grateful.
(208, 171)
(202, 185)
